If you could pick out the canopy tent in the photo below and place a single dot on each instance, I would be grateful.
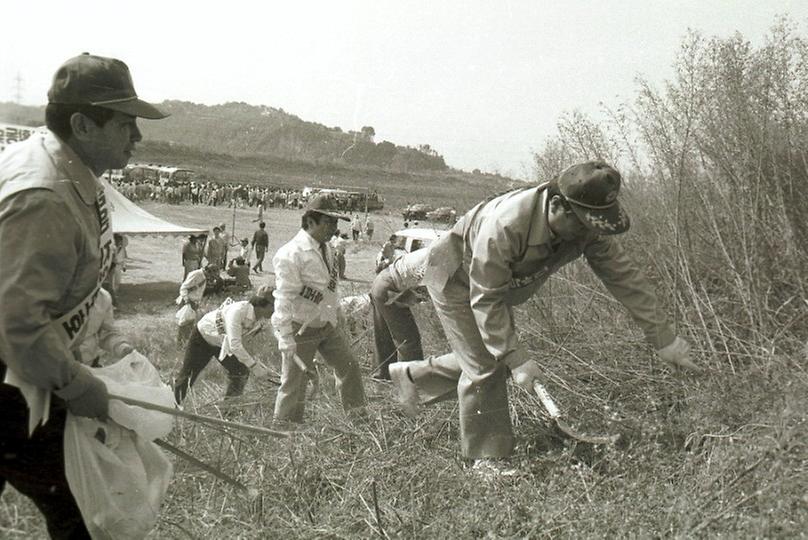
(131, 220)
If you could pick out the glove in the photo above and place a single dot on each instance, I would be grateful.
(677, 355)
(524, 374)
(93, 402)
(259, 370)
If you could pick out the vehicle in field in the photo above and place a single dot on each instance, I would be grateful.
(416, 211)
(407, 241)
(351, 199)
(165, 175)
(443, 214)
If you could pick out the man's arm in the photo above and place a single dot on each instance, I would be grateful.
(288, 285)
(621, 276)
(495, 247)
(38, 261)
(234, 327)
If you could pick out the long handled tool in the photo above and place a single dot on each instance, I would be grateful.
(564, 428)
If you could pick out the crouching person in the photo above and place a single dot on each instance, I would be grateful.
(220, 333)
(103, 341)
(305, 318)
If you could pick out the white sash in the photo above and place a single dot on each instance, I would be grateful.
(71, 325)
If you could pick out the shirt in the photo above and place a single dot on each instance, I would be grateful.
(408, 270)
(504, 250)
(339, 244)
(102, 339)
(216, 250)
(51, 257)
(225, 326)
(260, 238)
(305, 287)
(193, 288)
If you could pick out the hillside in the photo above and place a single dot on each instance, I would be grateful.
(242, 143)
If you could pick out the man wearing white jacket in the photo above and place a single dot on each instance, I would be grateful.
(220, 333)
(103, 341)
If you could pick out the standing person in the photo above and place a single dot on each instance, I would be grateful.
(220, 333)
(56, 247)
(395, 332)
(305, 318)
(497, 256)
(216, 250)
(192, 253)
(260, 243)
(369, 227)
(338, 242)
(356, 227)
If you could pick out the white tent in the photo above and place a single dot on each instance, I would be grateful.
(131, 220)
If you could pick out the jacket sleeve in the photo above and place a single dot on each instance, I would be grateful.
(234, 319)
(37, 256)
(630, 287)
(494, 247)
(288, 284)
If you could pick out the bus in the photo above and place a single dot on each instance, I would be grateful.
(162, 174)
(352, 199)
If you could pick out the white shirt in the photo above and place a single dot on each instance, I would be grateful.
(305, 288)
(102, 340)
(193, 287)
(224, 327)
(408, 270)
(338, 243)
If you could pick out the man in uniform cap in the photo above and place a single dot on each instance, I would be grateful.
(56, 246)
(305, 318)
(497, 256)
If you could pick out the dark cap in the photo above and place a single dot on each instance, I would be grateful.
(592, 188)
(103, 82)
(325, 205)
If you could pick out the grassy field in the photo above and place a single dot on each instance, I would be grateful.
(718, 455)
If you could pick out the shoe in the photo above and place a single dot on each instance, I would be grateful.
(490, 468)
(405, 388)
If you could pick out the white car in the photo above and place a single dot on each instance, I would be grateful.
(409, 240)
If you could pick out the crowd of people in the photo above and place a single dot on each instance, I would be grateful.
(211, 193)
(57, 248)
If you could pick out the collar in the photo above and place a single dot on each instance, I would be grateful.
(81, 177)
(540, 232)
(306, 241)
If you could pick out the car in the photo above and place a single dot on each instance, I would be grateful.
(444, 213)
(416, 211)
(407, 241)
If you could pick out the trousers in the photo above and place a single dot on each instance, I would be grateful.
(395, 332)
(335, 352)
(35, 465)
(198, 353)
(485, 423)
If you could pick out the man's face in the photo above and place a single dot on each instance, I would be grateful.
(110, 146)
(563, 221)
(324, 230)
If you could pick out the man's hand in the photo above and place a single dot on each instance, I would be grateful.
(677, 355)
(524, 374)
(93, 402)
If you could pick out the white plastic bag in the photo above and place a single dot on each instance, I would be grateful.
(185, 315)
(116, 474)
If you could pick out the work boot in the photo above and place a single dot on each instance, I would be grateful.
(406, 390)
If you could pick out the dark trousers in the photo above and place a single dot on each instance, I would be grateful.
(197, 355)
(35, 466)
(260, 251)
(395, 332)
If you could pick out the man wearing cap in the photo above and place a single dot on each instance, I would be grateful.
(305, 318)
(496, 257)
(216, 250)
(56, 247)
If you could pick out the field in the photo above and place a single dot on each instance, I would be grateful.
(717, 455)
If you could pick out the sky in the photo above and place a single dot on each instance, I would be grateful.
(482, 82)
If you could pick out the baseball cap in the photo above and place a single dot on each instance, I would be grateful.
(103, 82)
(325, 205)
(592, 188)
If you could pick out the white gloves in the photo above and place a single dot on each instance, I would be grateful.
(524, 374)
(677, 355)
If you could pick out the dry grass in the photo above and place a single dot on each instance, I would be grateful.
(722, 454)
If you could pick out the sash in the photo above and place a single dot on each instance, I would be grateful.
(72, 325)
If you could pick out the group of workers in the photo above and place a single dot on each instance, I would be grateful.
(56, 246)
